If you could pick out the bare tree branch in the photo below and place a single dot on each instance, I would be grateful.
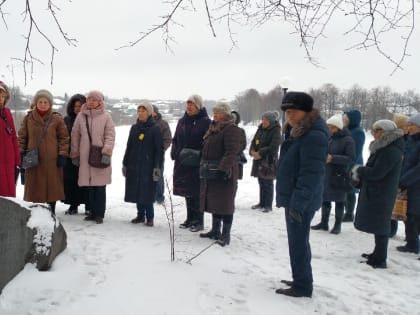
(373, 21)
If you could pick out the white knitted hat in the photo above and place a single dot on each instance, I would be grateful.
(336, 120)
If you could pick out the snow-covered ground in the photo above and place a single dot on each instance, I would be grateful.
(121, 268)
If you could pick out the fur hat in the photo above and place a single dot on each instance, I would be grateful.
(336, 120)
(197, 100)
(222, 107)
(70, 105)
(400, 120)
(4, 88)
(415, 119)
(147, 106)
(297, 100)
(272, 116)
(42, 93)
(97, 95)
(236, 117)
(384, 124)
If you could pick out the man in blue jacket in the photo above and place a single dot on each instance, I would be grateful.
(299, 187)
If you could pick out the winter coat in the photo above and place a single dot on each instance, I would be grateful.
(357, 133)
(342, 149)
(301, 167)
(44, 182)
(410, 173)
(266, 142)
(102, 131)
(222, 146)
(165, 131)
(189, 133)
(379, 184)
(143, 153)
(9, 154)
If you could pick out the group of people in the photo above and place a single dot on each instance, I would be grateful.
(320, 163)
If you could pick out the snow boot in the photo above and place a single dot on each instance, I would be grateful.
(325, 215)
(339, 210)
(225, 238)
(214, 233)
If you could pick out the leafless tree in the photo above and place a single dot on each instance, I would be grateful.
(29, 18)
(372, 21)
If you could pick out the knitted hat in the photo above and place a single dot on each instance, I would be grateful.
(97, 95)
(400, 120)
(4, 88)
(272, 116)
(336, 120)
(155, 109)
(197, 100)
(415, 119)
(297, 100)
(384, 124)
(222, 107)
(42, 93)
(236, 117)
(146, 106)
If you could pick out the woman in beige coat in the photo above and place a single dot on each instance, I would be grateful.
(44, 182)
(102, 131)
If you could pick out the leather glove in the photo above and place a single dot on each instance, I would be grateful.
(17, 172)
(124, 171)
(106, 159)
(295, 215)
(156, 174)
(75, 161)
(61, 161)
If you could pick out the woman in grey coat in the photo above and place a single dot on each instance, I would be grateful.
(378, 181)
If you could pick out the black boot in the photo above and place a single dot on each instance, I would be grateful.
(187, 223)
(225, 238)
(214, 233)
(72, 209)
(339, 210)
(198, 223)
(350, 205)
(325, 216)
(52, 206)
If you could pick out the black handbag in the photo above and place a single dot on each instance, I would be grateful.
(95, 152)
(341, 180)
(31, 157)
(190, 157)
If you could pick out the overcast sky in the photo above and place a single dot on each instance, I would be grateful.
(265, 57)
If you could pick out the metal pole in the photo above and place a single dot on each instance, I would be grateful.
(283, 115)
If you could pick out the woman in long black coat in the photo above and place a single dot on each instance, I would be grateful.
(379, 183)
(264, 150)
(341, 154)
(74, 195)
(142, 164)
(410, 181)
(219, 172)
(189, 134)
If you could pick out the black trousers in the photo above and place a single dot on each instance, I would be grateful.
(381, 248)
(412, 228)
(96, 200)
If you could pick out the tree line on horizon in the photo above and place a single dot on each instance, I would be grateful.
(376, 103)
